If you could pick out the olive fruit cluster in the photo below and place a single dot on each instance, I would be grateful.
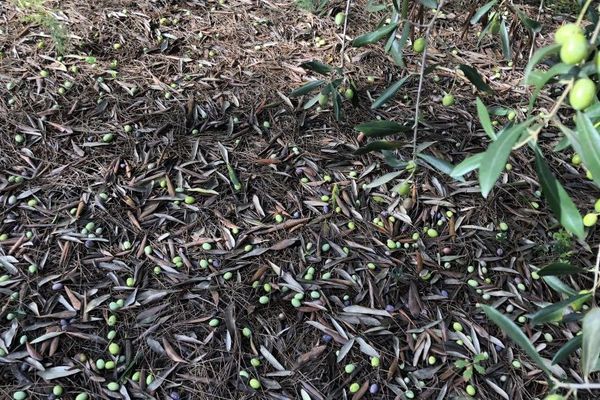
(574, 48)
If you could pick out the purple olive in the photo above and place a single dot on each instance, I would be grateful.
(374, 388)
(499, 252)
(327, 338)
(326, 209)
(296, 215)
(216, 263)
(174, 396)
(389, 308)
(89, 244)
(444, 293)
(57, 286)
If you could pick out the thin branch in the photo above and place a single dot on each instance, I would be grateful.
(342, 55)
(421, 76)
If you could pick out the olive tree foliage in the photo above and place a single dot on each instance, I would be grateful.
(573, 62)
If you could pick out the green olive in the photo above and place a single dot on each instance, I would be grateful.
(565, 32)
(590, 219)
(574, 49)
(340, 18)
(355, 387)
(254, 384)
(107, 138)
(206, 246)
(349, 93)
(113, 386)
(419, 45)
(19, 395)
(82, 396)
(114, 349)
(582, 94)
(57, 390)
(448, 100)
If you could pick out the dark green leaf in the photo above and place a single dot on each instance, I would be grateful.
(590, 346)
(389, 93)
(482, 11)
(499, 111)
(467, 165)
(393, 161)
(504, 38)
(496, 156)
(429, 3)
(484, 118)
(379, 145)
(378, 128)
(513, 331)
(571, 346)
(484, 32)
(307, 88)
(375, 36)
(397, 49)
(474, 77)
(558, 285)
(587, 144)
(560, 203)
(317, 66)
(441, 165)
(552, 312)
(559, 268)
(336, 99)
(539, 56)
(531, 25)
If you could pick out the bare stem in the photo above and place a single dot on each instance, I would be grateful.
(421, 78)
(342, 55)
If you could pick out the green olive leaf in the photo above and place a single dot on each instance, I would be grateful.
(558, 268)
(482, 11)
(474, 77)
(467, 165)
(549, 313)
(496, 156)
(513, 331)
(539, 56)
(571, 346)
(375, 36)
(379, 128)
(590, 346)
(484, 118)
(441, 165)
(587, 144)
(389, 93)
(505, 39)
(317, 67)
(307, 88)
(560, 203)
(379, 145)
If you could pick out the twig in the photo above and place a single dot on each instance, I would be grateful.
(343, 59)
(421, 76)
(596, 272)
(540, 9)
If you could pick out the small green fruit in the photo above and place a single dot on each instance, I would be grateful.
(206, 246)
(419, 45)
(355, 387)
(44, 73)
(574, 49)
(375, 362)
(432, 233)
(349, 368)
(100, 363)
(57, 390)
(113, 386)
(448, 100)
(189, 200)
(340, 18)
(107, 138)
(246, 332)
(255, 362)
(19, 395)
(565, 32)
(136, 376)
(582, 94)
(254, 384)
(349, 93)
(590, 220)
(19, 138)
(597, 206)
(82, 396)
(471, 390)
(114, 349)
(214, 322)
(555, 397)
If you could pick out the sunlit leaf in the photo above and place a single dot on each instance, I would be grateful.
(467, 165)
(587, 144)
(441, 165)
(484, 118)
